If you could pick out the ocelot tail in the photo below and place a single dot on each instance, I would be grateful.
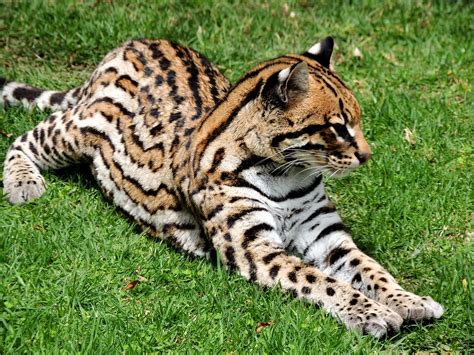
(210, 168)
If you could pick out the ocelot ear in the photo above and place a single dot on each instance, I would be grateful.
(321, 51)
(287, 85)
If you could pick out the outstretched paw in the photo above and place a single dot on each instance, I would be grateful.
(370, 317)
(23, 188)
(413, 307)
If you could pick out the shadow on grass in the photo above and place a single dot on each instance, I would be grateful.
(78, 174)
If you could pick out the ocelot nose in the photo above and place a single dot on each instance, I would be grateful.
(363, 156)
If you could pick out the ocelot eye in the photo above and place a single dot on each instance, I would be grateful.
(341, 131)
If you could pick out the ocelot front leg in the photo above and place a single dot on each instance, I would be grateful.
(244, 232)
(52, 144)
(331, 249)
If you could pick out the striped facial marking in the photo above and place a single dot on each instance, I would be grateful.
(315, 117)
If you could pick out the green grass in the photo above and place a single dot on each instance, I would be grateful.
(66, 258)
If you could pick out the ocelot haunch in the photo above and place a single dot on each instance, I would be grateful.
(217, 169)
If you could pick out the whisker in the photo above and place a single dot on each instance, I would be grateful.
(288, 164)
(311, 168)
(283, 166)
(293, 165)
(316, 172)
(278, 152)
(335, 173)
(312, 152)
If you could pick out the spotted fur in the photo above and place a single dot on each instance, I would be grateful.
(235, 171)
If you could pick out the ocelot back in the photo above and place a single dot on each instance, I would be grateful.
(237, 171)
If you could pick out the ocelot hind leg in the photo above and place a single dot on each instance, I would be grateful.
(52, 144)
(150, 203)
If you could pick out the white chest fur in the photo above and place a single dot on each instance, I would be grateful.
(291, 198)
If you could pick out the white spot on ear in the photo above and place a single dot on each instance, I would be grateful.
(350, 130)
(316, 49)
(283, 75)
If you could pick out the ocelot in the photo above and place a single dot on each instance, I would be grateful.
(217, 169)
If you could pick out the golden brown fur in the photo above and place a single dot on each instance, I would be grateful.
(235, 171)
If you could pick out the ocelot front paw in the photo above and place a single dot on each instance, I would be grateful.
(23, 186)
(369, 317)
(413, 307)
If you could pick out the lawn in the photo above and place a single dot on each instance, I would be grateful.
(69, 260)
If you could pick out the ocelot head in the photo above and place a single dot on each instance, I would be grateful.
(310, 118)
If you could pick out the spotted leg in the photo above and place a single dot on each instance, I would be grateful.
(245, 235)
(331, 249)
(50, 145)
